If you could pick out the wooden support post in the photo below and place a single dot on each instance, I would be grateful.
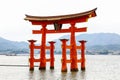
(43, 47)
(64, 65)
(82, 54)
(73, 50)
(51, 55)
(31, 59)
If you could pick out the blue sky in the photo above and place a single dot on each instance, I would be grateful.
(14, 27)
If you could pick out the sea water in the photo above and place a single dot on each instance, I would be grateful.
(98, 67)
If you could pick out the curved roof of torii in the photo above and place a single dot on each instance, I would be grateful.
(62, 18)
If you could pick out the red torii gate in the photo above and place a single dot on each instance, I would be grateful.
(57, 21)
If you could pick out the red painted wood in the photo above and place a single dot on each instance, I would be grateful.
(63, 21)
(43, 46)
(82, 54)
(73, 48)
(64, 58)
(73, 52)
(52, 54)
(84, 29)
(31, 59)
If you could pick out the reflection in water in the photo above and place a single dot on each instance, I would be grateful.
(108, 69)
(55, 75)
(82, 75)
(31, 75)
(98, 67)
(73, 76)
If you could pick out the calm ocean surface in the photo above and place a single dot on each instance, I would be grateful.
(98, 67)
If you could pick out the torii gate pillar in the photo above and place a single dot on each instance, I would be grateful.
(73, 52)
(64, 59)
(52, 54)
(83, 54)
(31, 54)
(43, 45)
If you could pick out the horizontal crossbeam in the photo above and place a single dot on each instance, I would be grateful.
(84, 29)
(69, 61)
(39, 47)
(39, 60)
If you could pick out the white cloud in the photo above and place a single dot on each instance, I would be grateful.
(12, 14)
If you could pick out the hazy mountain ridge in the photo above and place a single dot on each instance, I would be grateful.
(100, 38)
(8, 46)
(96, 42)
